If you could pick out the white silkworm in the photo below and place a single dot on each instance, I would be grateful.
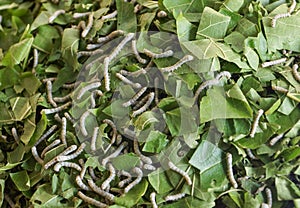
(87, 88)
(156, 82)
(63, 99)
(92, 174)
(152, 199)
(50, 146)
(291, 9)
(69, 86)
(57, 117)
(49, 94)
(133, 74)
(135, 97)
(137, 8)
(204, 85)
(111, 177)
(264, 205)
(110, 36)
(15, 134)
(114, 154)
(80, 183)
(88, 26)
(69, 117)
(57, 166)
(99, 191)
(55, 15)
(89, 53)
(271, 63)
(54, 160)
(82, 123)
(161, 14)
(223, 74)
(35, 58)
(127, 81)
(295, 72)
(106, 74)
(269, 197)
(184, 174)
(230, 170)
(256, 122)
(81, 25)
(275, 139)
(139, 173)
(94, 138)
(250, 154)
(121, 45)
(63, 130)
(174, 197)
(55, 110)
(122, 183)
(83, 168)
(36, 155)
(141, 102)
(137, 151)
(91, 201)
(136, 53)
(93, 101)
(51, 79)
(98, 92)
(46, 134)
(279, 89)
(62, 158)
(178, 64)
(79, 15)
(260, 189)
(149, 167)
(93, 46)
(165, 54)
(145, 106)
(113, 127)
(110, 16)
(279, 16)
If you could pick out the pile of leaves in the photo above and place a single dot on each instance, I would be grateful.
(245, 103)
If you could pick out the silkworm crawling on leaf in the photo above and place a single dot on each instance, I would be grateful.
(110, 36)
(269, 197)
(135, 97)
(80, 183)
(279, 16)
(111, 177)
(82, 123)
(50, 146)
(88, 26)
(80, 149)
(153, 200)
(295, 72)
(133, 74)
(136, 53)
(256, 122)
(94, 138)
(63, 130)
(185, 175)
(279, 89)
(137, 151)
(55, 15)
(46, 134)
(49, 93)
(106, 74)
(139, 173)
(161, 14)
(275, 139)
(57, 166)
(230, 170)
(178, 64)
(79, 15)
(127, 81)
(150, 97)
(121, 45)
(99, 191)
(88, 87)
(114, 154)
(15, 134)
(174, 197)
(110, 16)
(56, 110)
(165, 54)
(91, 201)
(35, 58)
(69, 117)
(36, 155)
(250, 154)
(292, 8)
(126, 180)
(275, 62)
(65, 152)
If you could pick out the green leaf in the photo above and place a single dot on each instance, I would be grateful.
(286, 189)
(155, 142)
(126, 16)
(185, 30)
(125, 161)
(29, 82)
(2, 184)
(252, 57)
(20, 107)
(146, 120)
(190, 202)
(21, 180)
(69, 46)
(159, 181)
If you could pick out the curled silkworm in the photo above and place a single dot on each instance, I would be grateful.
(69, 117)
(89, 53)
(127, 81)
(55, 15)
(79, 15)
(274, 62)
(99, 191)
(133, 74)
(93, 46)
(15, 134)
(230, 170)
(260, 189)
(149, 167)
(223, 74)
(279, 89)
(121, 45)
(204, 85)
(275, 139)
(62, 158)
(58, 109)
(65, 152)
(174, 197)
(49, 93)
(114, 154)
(62, 99)
(57, 118)
(35, 58)
(136, 53)
(250, 154)
(122, 183)
(82, 123)
(110, 16)
(256, 122)
(36, 155)
(63, 130)
(165, 54)
(178, 64)
(161, 14)
(145, 106)
(69, 86)
(81, 184)
(139, 173)
(152, 199)
(83, 168)
(50, 146)
(135, 97)
(57, 166)
(173, 167)
(295, 72)
(137, 151)
(111, 177)
(106, 74)
(291, 9)
(279, 16)
(269, 197)
(92, 174)
(47, 133)
(87, 88)
(94, 138)
(110, 36)
(113, 127)
(129, 133)
(91, 201)
(88, 26)
(81, 25)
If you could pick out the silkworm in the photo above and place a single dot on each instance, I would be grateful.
(15, 134)
(94, 138)
(36, 155)
(81, 25)
(88, 26)
(51, 79)
(50, 146)
(250, 154)
(223, 74)
(55, 15)
(269, 197)
(161, 14)
(80, 183)
(46, 134)
(113, 127)
(133, 74)
(291, 9)
(82, 123)
(35, 58)
(145, 106)
(69, 86)
(137, 8)
(136, 53)
(111, 177)
(106, 74)
(174, 197)
(57, 166)
(139, 173)
(93, 46)
(110, 36)
(260, 189)
(149, 167)
(279, 89)
(99, 191)
(255, 123)
(92, 174)
(135, 97)
(141, 102)
(114, 154)
(93, 101)
(83, 168)
(8, 199)
(63, 99)
(295, 72)
(87, 88)
(127, 81)
(55, 160)
(204, 85)
(122, 183)
(89, 53)
(63, 130)
(271, 63)
(121, 45)
(264, 205)
(57, 118)
(55, 110)
(279, 16)
(165, 54)
(156, 82)
(79, 15)
(69, 117)
(173, 167)
(178, 64)
(49, 94)
(110, 16)
(230, 170)
(91, 201)
(152, 199)
(137, 151)
(62, 158)
(98, 92)
(275, 139)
